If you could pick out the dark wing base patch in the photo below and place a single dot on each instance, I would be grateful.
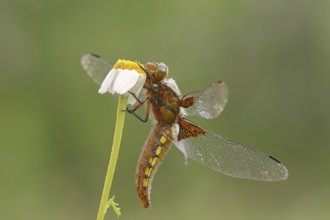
(187, 129)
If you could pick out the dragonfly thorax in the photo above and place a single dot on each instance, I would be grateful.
(165, 103)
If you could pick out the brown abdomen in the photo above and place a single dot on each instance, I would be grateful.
(153, 152)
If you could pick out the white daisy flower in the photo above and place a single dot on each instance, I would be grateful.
(125, 76)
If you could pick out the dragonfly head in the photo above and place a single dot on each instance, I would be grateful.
(157, 71)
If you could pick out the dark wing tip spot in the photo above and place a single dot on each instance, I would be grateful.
(273, 158)
(95, 55)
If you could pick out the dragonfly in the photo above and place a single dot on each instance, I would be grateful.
(169, 108)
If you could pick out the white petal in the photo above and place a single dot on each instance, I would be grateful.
(138, 85)
(107, 83)
(125, 80)
(131, 100)
(136, 89)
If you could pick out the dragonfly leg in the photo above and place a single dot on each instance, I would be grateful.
(137, 99)
(138, 105)
(143, 70)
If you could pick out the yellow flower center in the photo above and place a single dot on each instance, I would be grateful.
(129, 65)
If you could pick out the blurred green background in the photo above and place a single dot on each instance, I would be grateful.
(56, 130)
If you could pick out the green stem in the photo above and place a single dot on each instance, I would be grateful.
(122, 102)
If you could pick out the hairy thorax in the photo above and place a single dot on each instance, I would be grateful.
(165, 103)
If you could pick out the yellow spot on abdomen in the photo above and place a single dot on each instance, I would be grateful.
(145, 182)
(153, 161)
(163, 140)
(158, 150)
(148, 171)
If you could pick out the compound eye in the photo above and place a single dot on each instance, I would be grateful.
(161, 71)
(162, 67)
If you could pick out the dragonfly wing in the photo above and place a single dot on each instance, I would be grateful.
(232, 159)
(208, 103)
(96, 67)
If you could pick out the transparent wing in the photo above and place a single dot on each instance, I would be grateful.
(208, 103)
(232, 159)
(96, 67)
